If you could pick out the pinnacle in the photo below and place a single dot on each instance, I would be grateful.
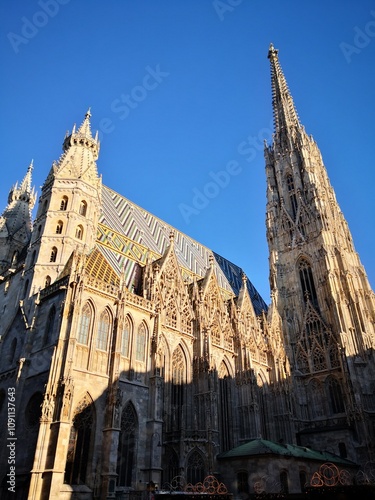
(26, 183)
(85, 128)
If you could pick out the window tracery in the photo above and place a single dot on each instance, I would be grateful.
(103, 331)
(84, 325)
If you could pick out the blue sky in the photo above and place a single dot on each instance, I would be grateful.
(176, 88)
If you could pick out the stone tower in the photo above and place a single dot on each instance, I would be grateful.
(15, 223)
(68, 209)
(319, 288)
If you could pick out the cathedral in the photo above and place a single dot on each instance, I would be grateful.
(133, 359)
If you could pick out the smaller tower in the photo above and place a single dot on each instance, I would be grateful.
(68, 209)
(15, 223)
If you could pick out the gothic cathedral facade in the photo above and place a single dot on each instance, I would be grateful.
(136, 355)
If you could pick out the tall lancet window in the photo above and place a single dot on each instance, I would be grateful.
(127, 446)
(79, 445)
(177, 387)
(225, 407)
(307, 282)
(103, 331)
(292, 195)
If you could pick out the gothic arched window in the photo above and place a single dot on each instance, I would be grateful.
(303, 480)
(125, 337)
(195, 468)
(127, 446)
(84, 325)
(224, 407)
(292, 195)
(177, 386)
(83, 208)
(103, 331)
(53, 256)
(33, 410)
(316, 398)
(59, 227)
(243, 483)
(307, 282)
(79, 446)
(140, 348)
(335, 396)
(49, 325)
(64, 203)
(284, 485)
(79, 232)
(173, 468)
(47, 281)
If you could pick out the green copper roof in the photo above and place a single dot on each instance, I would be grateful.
(257, 447)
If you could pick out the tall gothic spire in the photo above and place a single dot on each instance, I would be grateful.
(284, 112)
(15, 222)
(83, 137)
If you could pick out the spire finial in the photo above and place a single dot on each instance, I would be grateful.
(284, 112)
(272, 52)
(88, 113)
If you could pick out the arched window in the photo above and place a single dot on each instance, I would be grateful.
(303, 480)
(173, 466)
(307, 282)
(195, 468)
(292, 195)
(127, 446)
(79, 446)
(125, 337)
(335, 396)
(103, 331)
(33, 410)
(53, 256)
(177, 387)
(284, 484)
(84, 325)
(59, 227)
(79, 232)
(243, 483)
(140, 349)
(49, 325)
(225, 407)
(64, 203)
(316, 403)
(83, 208)
(33, 258)
(47, 281)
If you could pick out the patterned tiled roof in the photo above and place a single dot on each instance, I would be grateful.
(129, 235)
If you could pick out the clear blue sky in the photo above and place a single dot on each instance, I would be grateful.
(198, 79)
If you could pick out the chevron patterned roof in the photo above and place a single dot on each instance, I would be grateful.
(128, 236)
